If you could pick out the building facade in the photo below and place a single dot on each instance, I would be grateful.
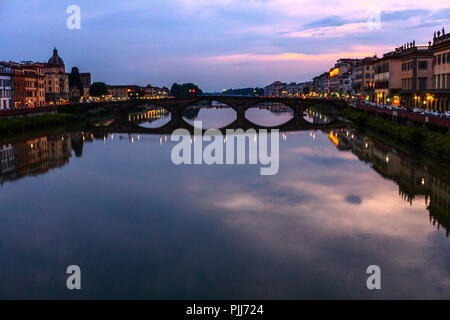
(416, 75)
(347, 83)
(292, 89)
(275, 89)
(56, 80)
(387, 77)
(441, 72)
(28, 82)
(121, 91)
(412, 76)
(336, 82)
(86, 81)
(364, 76)
(155, 92)
(321, 83)
(6, 86)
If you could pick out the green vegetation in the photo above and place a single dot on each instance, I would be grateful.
(98, 89)
(185, 90)
(32, 123)
(69, 118)
(431, 139)
(244, 92)
(95, 113)
(75, 80)
(136, 94)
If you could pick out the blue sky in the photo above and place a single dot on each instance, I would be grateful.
(216, 44)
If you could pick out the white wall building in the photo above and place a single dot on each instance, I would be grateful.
(275, 89)
(6, 87)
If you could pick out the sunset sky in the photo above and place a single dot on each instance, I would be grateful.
(216, 44)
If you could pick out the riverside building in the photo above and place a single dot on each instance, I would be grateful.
(6, 86)
(440, 98)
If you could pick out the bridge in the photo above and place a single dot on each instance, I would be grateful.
(129, 123)
(238, 103)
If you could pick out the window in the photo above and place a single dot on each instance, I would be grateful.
(423, 65)
(422, 83)
(439, 59)
(448, 57)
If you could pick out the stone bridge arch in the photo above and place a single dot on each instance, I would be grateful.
(237, 103)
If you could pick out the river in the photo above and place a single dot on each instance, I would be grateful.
(139, 226)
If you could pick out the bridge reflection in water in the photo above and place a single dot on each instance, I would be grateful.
(133, 122)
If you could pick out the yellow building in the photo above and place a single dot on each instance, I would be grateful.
(387, 77)
(56, 80)
(364, 77)
(28, 79)
(121, 92)
(441, 69)
(417, 75)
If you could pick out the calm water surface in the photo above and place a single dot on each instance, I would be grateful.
(142, 227)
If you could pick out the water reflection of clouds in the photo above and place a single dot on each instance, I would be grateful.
(219, 231)
(325, 226)
(214, 118)
(353, 199)
(314, 151)
(265, 117)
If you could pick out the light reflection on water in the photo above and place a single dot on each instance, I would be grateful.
(141, 227)
(312, 115)
(153, 118)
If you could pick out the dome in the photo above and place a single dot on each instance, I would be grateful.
(55, 60)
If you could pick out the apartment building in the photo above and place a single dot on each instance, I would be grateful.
(6, 86)
(441, 71)
(28, 82)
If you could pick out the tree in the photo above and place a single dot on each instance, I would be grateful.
(98, 89)
(185, 90)
(306, 90)
(243, 92)
(136, 94)
(75, 80)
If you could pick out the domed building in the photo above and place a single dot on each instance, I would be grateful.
(56, 80)
(56, 61)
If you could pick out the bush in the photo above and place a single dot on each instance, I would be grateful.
(30, 123)
(429, 138)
